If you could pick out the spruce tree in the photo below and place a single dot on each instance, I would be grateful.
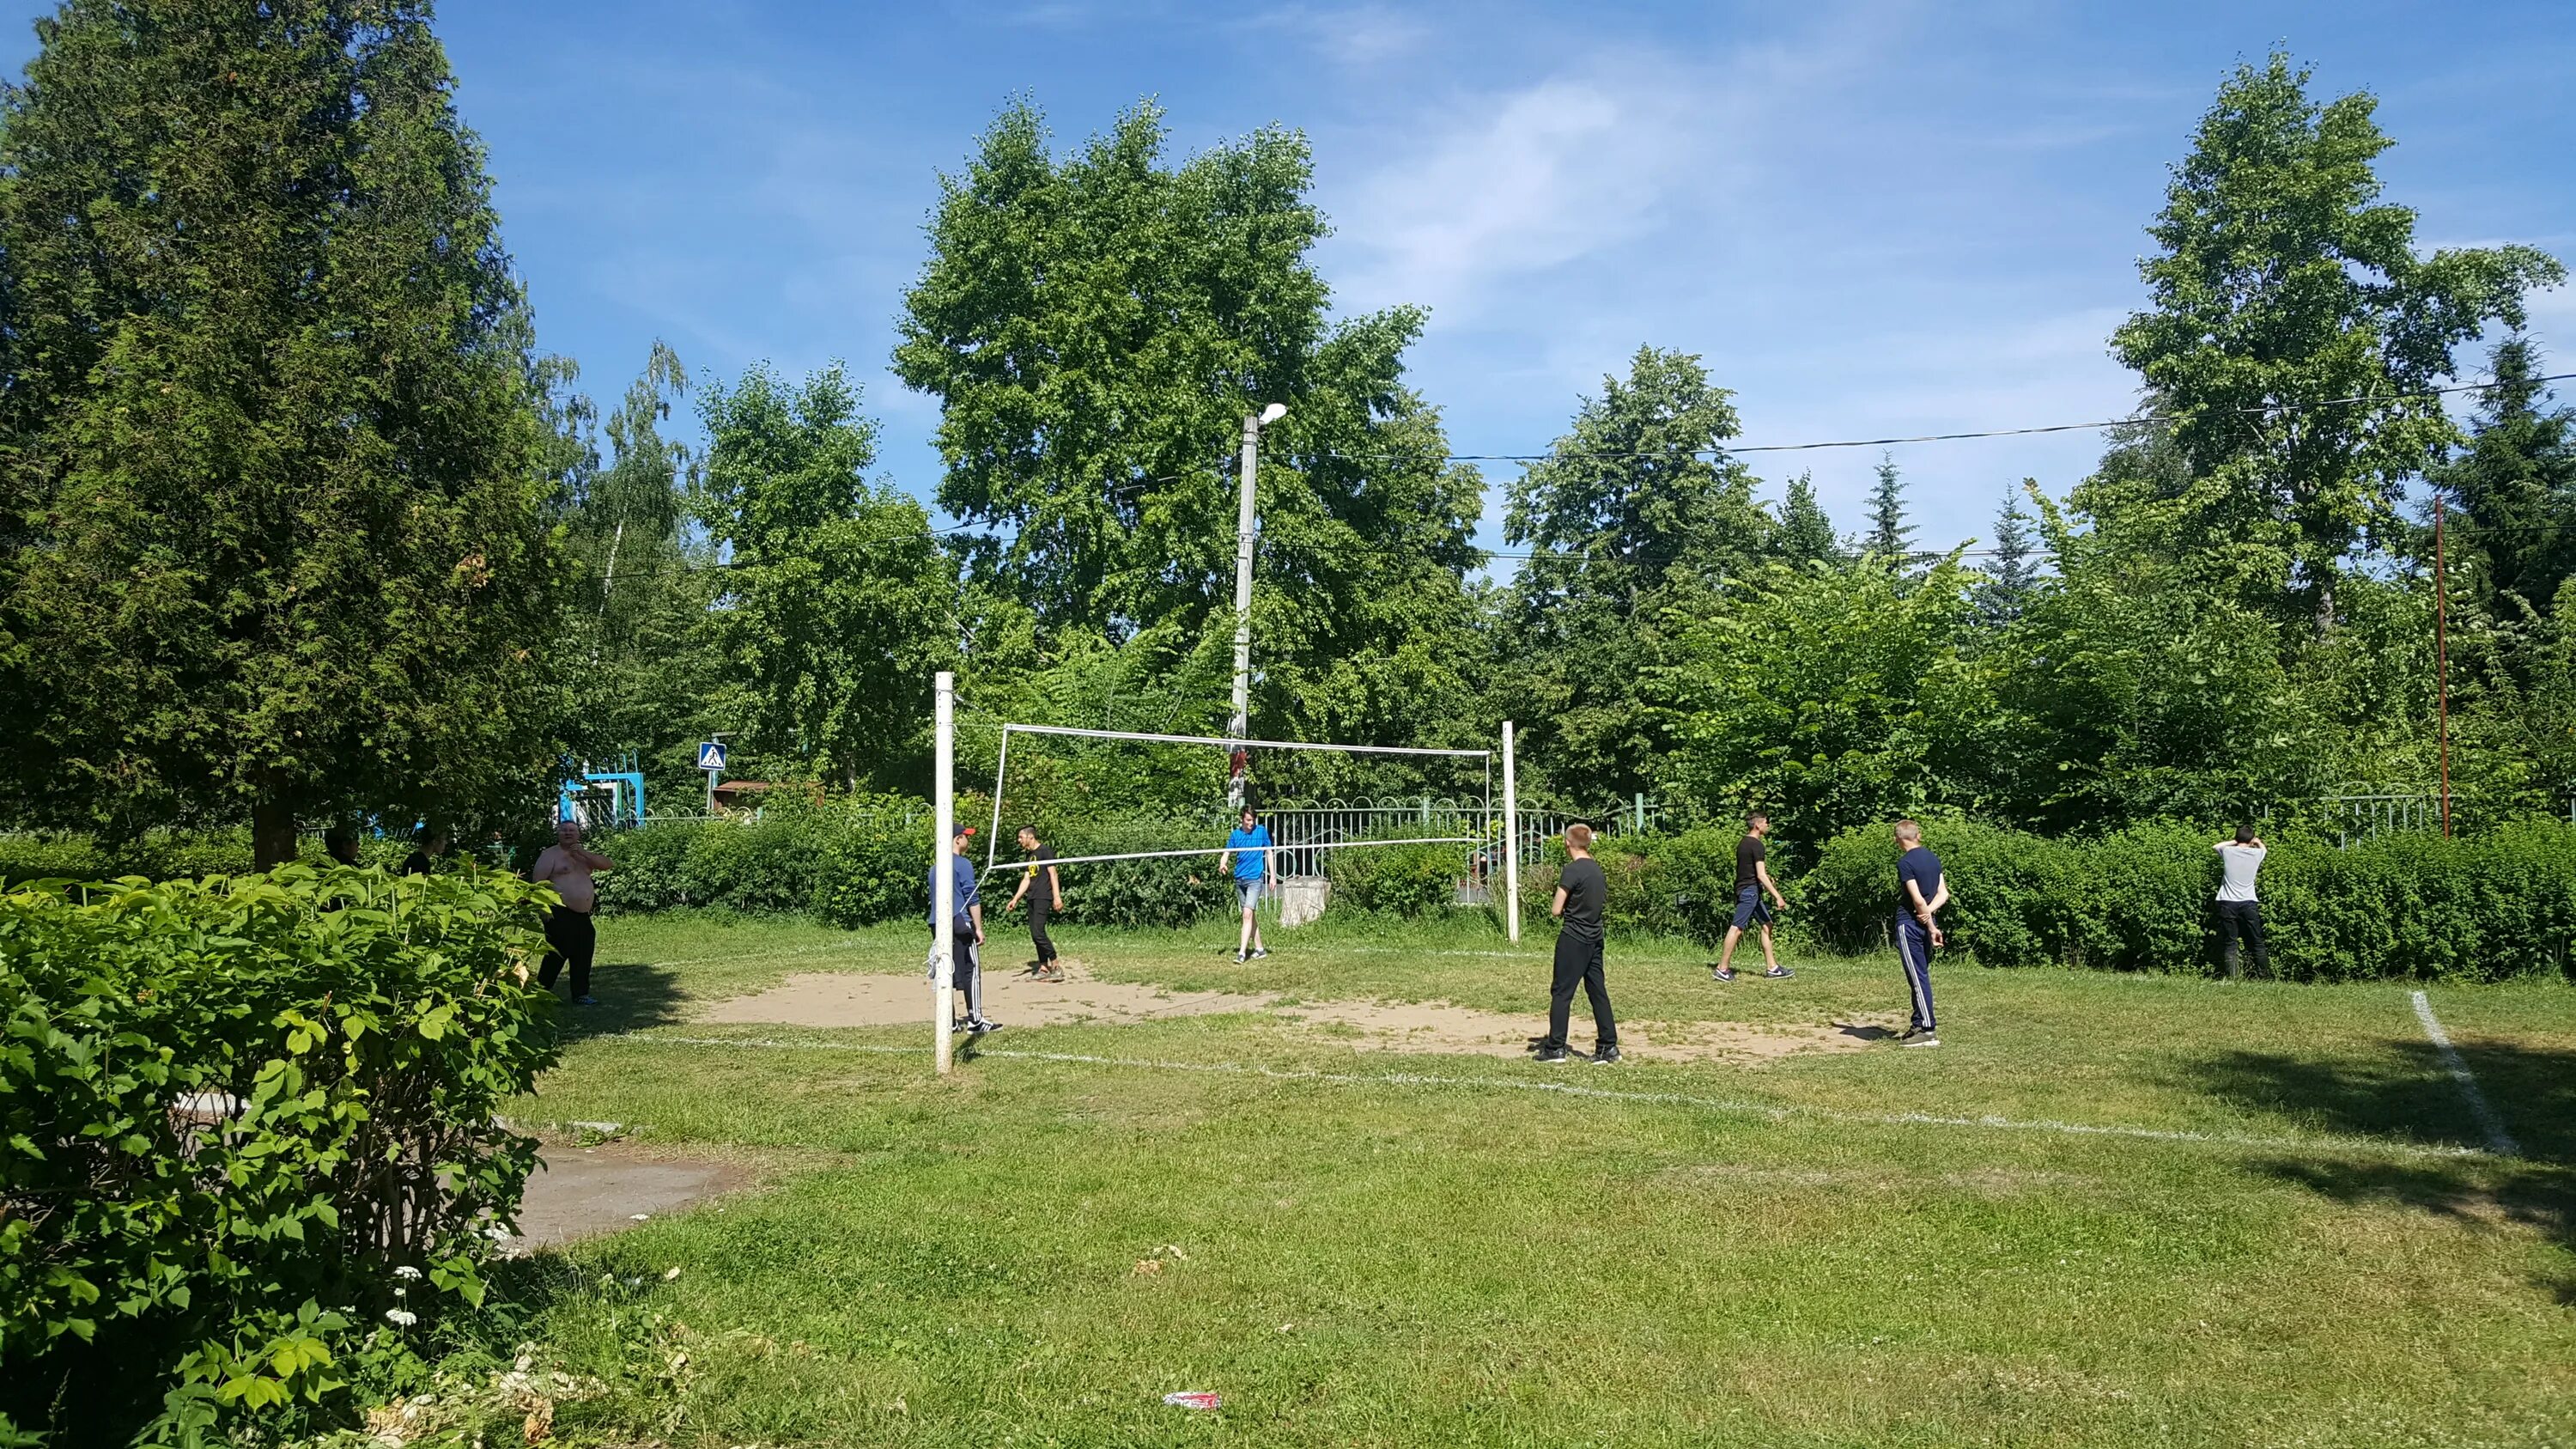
(2514, 487)
(2011, 573)
(272, 409)
(1890, 536)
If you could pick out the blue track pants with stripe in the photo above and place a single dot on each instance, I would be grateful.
(1914, 949)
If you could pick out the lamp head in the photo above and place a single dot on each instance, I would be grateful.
(1273, 413)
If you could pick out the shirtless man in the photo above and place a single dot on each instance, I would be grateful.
(570, 936)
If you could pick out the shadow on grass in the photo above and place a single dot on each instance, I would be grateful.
(633, 996)
(2405, 1091)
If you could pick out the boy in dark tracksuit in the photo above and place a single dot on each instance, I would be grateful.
(1921, 892)
(1580, 891)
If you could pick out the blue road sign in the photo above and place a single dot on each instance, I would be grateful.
(711, 755)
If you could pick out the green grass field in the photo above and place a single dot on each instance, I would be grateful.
(2114, 1211)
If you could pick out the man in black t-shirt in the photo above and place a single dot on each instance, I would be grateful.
(1045, 895)
(424, 856)
(1752, 881)
(1580, 890)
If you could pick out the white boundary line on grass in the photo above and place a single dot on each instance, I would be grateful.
(1773, 1111)
(2499, 1140)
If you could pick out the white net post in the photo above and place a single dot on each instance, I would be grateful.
(1511, 839)
(943, 876)
(993, 837)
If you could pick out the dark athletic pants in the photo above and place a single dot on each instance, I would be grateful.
(1578, 959)
(1038, 912)
(2245, 917)
(966, 968)
(570, 936)
(1914, 949)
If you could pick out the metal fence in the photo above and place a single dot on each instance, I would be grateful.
(1298, 830)
(2364, 815)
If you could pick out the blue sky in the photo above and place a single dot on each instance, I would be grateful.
(1871, 218)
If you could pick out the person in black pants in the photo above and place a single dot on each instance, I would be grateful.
(1580, 890)
(570, 936)
(1045, 895)
(2240, 910)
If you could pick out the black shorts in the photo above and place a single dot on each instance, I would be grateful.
(1751, 907)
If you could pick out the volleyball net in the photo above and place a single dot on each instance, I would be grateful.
(1117, 796)
(1122, 795)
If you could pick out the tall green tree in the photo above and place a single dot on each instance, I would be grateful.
(1889, 536)
(2514, 487)
(272, 414)
(1633, 517)
(2011, 572)
(1829, 697)
(1096, 326)
(837, 604)
(1806, 532)
(639, 611)
(2294, 328)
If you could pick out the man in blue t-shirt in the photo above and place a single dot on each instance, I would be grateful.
(965, 972)
(1248, 846)
(1921, 892)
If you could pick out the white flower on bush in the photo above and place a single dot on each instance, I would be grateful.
(401, 1317)
(406, 1271)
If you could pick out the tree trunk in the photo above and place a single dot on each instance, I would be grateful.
(272, 832)
(2325, 595)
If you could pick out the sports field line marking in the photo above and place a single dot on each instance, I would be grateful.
(2499, 1140)
(1774, 1111)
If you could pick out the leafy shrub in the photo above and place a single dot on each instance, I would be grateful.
(1410, 881)
(851, 862)
(1661, 884)
(1161, 893)
(2482, 907)
(232, 1114)
(875, 866)
(161, 855)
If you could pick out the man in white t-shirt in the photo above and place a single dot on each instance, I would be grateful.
(570, 936)
(2239, 913)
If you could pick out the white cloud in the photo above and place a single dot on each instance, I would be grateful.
(1355, 36)
(1523, 181)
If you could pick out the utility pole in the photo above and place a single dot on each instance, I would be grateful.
(1239, 728)
(2441, 663)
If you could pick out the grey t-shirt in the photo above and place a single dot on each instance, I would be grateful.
(2237, 865)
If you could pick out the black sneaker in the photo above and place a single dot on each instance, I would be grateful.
(585, 1001)
(1919, 1038)
(1554, 1055)
(1241, 957)
(979, 1028)
(1261, 953)
(1778, 973)
(1604, 1056)
(1721, 973)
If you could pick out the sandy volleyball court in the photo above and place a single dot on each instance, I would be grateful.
(843, 999)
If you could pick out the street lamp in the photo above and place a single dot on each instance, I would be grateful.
(1241, 725)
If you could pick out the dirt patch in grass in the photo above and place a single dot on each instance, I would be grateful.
(848, 999)
(580, 1192)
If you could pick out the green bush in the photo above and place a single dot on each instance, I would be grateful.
(851, 862)
(1408, 881)
(2485, 907)
(1160, 893)
(875, 867)
(246, 1126)
(1661, 884)
(162, 855)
